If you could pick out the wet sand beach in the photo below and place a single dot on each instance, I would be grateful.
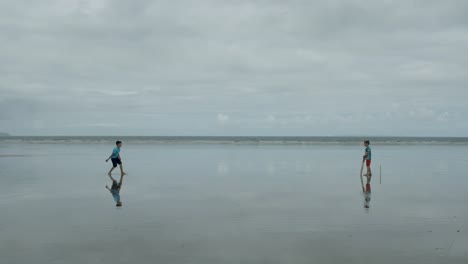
(233, 203)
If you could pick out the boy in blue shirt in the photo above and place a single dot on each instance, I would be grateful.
(368, 158)
(115, 157)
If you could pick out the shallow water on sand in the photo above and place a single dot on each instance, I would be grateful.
(232, 204)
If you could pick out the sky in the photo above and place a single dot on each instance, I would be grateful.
(234, 68)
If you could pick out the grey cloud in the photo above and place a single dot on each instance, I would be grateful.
(271, 67)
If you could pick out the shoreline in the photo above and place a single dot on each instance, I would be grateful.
(243, 140)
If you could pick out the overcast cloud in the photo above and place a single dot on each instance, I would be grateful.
(110, 67)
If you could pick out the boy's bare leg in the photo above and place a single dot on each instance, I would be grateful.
(121, 170)
(110, 176)
(110, 172)
(369, 174)
(121, 179)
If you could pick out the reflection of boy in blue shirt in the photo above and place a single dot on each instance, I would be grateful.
(115, 157)
(115, 190)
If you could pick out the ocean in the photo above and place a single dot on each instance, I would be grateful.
(235, 140)
(233, 200)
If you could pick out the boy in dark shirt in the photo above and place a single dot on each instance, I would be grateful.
(368, 158)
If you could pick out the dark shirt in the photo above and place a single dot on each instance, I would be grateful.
(115, 185)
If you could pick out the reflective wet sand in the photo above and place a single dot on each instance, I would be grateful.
(233, 204)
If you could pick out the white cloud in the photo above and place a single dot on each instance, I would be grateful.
(271, 119)
(222, 118)
(117, 93)
(422, 113)
(443, 117)
(90, 125)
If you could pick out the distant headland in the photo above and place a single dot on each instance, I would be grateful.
(4, 135)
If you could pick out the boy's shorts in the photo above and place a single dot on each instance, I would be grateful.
(116, 161)
(368, 162)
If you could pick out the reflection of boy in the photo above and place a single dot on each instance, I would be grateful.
(367, 199)
(115, 190)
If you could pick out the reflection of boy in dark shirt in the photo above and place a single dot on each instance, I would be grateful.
(115, 190)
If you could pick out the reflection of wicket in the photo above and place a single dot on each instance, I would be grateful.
(380, 173)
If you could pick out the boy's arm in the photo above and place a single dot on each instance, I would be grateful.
(110, 157)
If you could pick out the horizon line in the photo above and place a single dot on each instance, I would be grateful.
(231, 136)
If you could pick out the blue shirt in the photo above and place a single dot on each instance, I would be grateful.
(115, 153)
(369, 153)
(115, 195)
